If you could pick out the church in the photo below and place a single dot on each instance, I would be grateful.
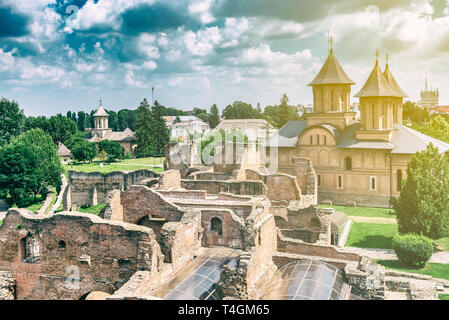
(101, 131)
(358, 162)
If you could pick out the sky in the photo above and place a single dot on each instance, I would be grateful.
(60, 55)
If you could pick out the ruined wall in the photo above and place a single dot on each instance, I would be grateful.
(170, 179)
(231, 231)
(310, 225)
(141, 201)
(87, 189)
(105, 253)
(180, 241)
(114, 208)
(233, 187)
(7, 286)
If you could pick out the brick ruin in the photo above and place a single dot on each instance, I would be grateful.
(155, 227)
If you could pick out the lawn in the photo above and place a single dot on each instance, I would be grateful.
(371, 235)
(444, 296)
(93, 210)
(364, 211)
(125, 165)
(435, 270)
(442, 244)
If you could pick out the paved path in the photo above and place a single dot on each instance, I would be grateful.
(3, 209)
(388, 254)
(61, 194)
(374, 220)
(46, 203)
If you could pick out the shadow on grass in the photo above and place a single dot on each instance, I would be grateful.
(395, 264)
(373, 242)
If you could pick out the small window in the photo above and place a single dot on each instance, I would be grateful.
(30, 248)
(311, 140)
(348, 163)
(61, 245)
(216, 226)
(373, 183)
(317, 139)
(399, 180)
(260, 237)
(325, 140)
(319, 180)
(340, 182)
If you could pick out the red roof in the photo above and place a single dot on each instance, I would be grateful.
(441, 109)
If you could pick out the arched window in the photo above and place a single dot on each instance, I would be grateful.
(216, 226)
(30, 248)
(61, 245)
(399, 180)
(348, 163)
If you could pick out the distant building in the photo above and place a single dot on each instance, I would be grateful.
(64, 154)
(187, 125)
(101, 132)
(255, 129)
(429, 98)
(439, 110)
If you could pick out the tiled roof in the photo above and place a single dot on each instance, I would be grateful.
(101, 112)
(63, 151)
(393, 84)
(331, 73)
(376, 85)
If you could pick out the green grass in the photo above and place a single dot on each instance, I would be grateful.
(364, 211)
(442, 244)
(435, 270)
(371, 235)
(93, 210)
(444, 296)
(125, 165)
(31, 204)
(1, 222)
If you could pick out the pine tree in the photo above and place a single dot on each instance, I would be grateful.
(214, 117)
(144, 131)
(159, 130)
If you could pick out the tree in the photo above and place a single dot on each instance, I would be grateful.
(414, 113)
(113, 149)
(423, 205)
(84, 151)
(145, 147)
(214, 117)
(201, 114)
(19, 174)
(40, 122)
(49, 164)
(12, 120)
(240, 110)
(159, 130)
(279, 115)
(438, 128)
(61, 128)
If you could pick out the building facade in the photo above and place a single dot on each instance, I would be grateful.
(429, 98)
(103, 132)
(362, 162)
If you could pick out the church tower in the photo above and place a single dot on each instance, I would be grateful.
(399, 101)
(101, 122)
(331, 94)
(377, 102)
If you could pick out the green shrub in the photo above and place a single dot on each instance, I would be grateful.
(413, 250)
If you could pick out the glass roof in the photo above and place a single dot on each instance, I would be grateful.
(199, 279)
(307, 280)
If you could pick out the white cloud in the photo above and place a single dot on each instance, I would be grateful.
(202, 9)
(131, 81)
(147, 44)
(203, 41)
(150, 65)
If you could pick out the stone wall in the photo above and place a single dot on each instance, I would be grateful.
(180, 241)
(114, 208)
(170, 179)
(105, 254)
(309, 224)
(87, 189)
(230, 186)
(140, 201)
(232, 225)
(7, 286)
(360, 200)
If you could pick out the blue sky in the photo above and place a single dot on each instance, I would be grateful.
(60, 55)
